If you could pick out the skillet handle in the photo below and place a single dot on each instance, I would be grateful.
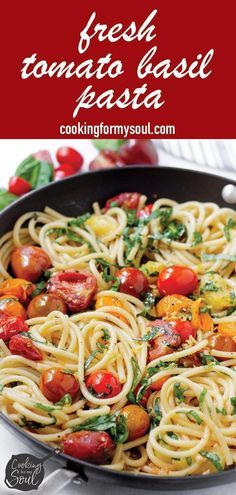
(58, 481)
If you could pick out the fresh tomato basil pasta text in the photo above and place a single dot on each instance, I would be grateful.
(118, 333)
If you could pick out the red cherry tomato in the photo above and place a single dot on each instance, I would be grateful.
(184, 329)
(166, 340)
(76, 289)
(19, 186)
(29, 262)
(124, 200)
(158, 384)
(54, 384)
(103, 384)
(132, 281)
(139, 152)
(91, 446)
(63, 171)
(177, 280)
(145, 397)
(146, 211)
(70, 156)
(11, 325)
(23, 346)
(105, 159)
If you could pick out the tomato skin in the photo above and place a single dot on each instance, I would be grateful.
(222, 343)
(44, 304)
(173, 304)
(177, 280)
(166, 341)
(10, 326)
(132, 281)
(124, 200)
(146, 211)
(104, 384)
(184, 329)
(138, 421)
(91, 446)
(70, 156)
(75, 288)
(190, 361)
(23, 346)
(12, 307)
(17, 287)
(19, 186)
(158, 384)
(63, 171)
(29, 262)
(54, 384)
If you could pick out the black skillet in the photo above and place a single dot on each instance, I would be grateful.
(73, 197)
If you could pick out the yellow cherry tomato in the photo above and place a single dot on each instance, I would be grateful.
(137, 420)
(111, 301)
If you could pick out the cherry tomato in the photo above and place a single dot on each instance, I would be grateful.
(227, 328)
(70, 156)
(139, 152)
(145, 397)
(103, 384)
(75, 288)
(29, 262)
(177, 280)
(43, 156)
(91, 446)
(23, 346)
(166, 340)
(138, 421)
(146, 211)
(17, 287)
(63, 171)
(105, 159)
(11, 325)
(12, 307)
(184, 329)
(54, 384)
(158, 384)
(124, 200)
(190, 361)
(173, 304)
(110, 301)
(132, 281)
(19, 186)
(222, 343)
(43, 304)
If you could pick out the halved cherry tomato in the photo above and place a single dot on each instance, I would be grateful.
(228, 328)
(190, 361)
(103, 384)
(12, 307)
(222, 343)
(173, 304)
(177, 280)
(10, 325)
(19, 186)
(54, 384)
(166, 341)
(158, 384)
(43, 304)
(23, 346)
(124, 200)
(18, 287)
(132, 281)
(63, 171)
(29, 262)
(184, 328)
(91, 446)
(146, 211)
(110, 301)
(145, 397)
(137, 420)
(70, 156)
(75, 288)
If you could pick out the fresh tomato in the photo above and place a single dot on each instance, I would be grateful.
(17, 287)
(158, 384)
(165, 341)
(222, 343)
(139, 152)
(63, 171)
(12, 307)
(55, 383)
(146, 211)
(91, 446)
(145, 397)
(184, 329)
(110, 301)
(10, 325)
(70, 156)
(75, 288)
(177, 280)
(173, 304)
(190, 361)
(23, 346)
(227, 328)
(124, 200)
(43, 304)
(29, 262)
(19, 186)
(103, 384)
(138, 421)
(132, 281)
(105, 159)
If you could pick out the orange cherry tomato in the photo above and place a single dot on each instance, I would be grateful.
(55, 383)
(91, 446)
(158, 384)
(103, 384)
(18, 287)
(29, 262)
(228, 328)
(177, 280)
(173, 304)
(184, 328)
(222, 343)
(43, 304)
(138, 421)
(11, 306)
(111, 301)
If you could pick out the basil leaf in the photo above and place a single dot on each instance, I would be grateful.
(231, 224)
(44, 407)
(233, 403)
(39, 288)
(189, 461)
(221, 411)
(120, 432)
(158, 415)
(79, 221)
(37, 173)
(150, 335)
(98, 423)
(179, 392)
(6, 198)
(197, 238)
(99, 350)
(209, 287)
(108, 144)
(175, 231)
(207, 359)
(202, 398)
(213, 458)
(64, 401)
(136, 379)
(195, 416)
(68, 372)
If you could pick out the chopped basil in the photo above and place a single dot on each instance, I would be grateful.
(106, 335)
(1, 387)
(221, 411)
(120, 431)
(136, 379)
(194, 415)
(175, 231)
(68, 372)
(79, 221)
(213, 458)
(173, 435)
(158, 415)
(179, 392)
(209, 287)
(116, 284)
(64, 401)
(149, 303)
(44, 407)
(207, 359)
(40, 287)
(99, 350)
(205, 309)
(233, 403)
(97, 423)
(202, 397)
(231, 224)
(189, 461)
(197, 238)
